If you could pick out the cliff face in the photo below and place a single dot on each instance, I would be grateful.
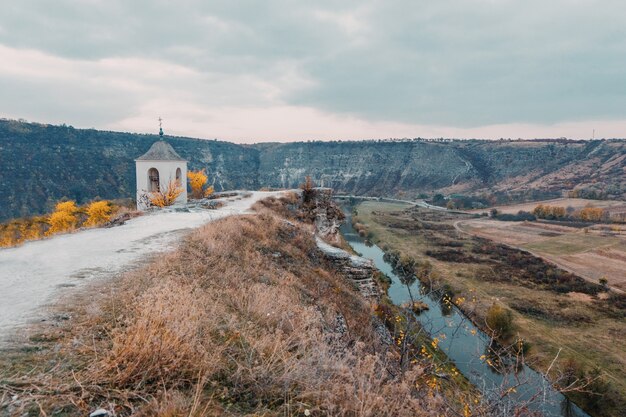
(370, 168)
(524, 169)
(594, 169)
(41, 164)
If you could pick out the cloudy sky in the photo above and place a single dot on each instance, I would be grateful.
(251, 70)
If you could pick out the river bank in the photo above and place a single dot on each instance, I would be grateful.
(552, 334)
(467, 345)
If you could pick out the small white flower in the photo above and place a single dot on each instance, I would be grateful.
(307, 412)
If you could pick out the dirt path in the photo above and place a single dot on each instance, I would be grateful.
(458, 226)
(36, 273)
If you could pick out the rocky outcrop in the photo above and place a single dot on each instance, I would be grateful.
(359, 270)
(327, 216)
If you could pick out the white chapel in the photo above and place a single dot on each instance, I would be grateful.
(157, 168)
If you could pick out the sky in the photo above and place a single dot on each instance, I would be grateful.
(285, 70)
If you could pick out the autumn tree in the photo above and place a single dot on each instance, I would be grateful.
(591, 214)
(98, 212)
(549, 212)
(197, 181)
(540, 211)
(558, 212)
(167, 195)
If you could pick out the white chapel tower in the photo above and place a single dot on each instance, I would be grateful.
(157, 168)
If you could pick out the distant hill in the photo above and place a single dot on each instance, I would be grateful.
(41, 164)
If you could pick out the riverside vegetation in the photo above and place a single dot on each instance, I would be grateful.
(244, 318)
(556, 314)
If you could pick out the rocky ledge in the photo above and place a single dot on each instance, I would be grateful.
(359, 270)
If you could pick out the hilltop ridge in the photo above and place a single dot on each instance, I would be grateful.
(44, 163)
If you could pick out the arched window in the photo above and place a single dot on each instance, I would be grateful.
(179, 174)
(153, 180)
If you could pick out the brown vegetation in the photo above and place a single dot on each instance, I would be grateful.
(241, 320)
(591, 253)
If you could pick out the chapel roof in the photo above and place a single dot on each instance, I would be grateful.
(160, 151)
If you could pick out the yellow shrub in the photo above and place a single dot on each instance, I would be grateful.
(197, 180)
(30, 230)
(67, 206)
(99, 212)
(61, 221)
(167, 196)
(209, 191)
(7, 236)
(18, 231)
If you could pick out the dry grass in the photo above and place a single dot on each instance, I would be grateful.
(591, 255)
(240, 320)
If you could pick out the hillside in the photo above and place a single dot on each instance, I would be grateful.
(43, 163)
(246, 317)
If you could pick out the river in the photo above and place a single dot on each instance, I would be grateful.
(467, 346)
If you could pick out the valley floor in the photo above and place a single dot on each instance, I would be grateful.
(559, 314)
(36, 273)
(592, 254)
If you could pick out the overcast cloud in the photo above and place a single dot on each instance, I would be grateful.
(287, 70)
